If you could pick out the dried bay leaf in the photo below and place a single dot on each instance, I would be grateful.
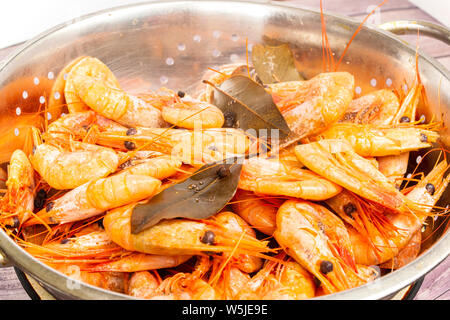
(274, 63)
(200, 196)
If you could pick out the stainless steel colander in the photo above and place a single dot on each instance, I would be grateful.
(172, 43)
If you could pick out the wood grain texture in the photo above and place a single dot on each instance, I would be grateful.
(436, 284)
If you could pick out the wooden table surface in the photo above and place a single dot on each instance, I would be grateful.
(436, 284)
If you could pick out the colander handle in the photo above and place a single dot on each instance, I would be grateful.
(402, 27)
(4, 262)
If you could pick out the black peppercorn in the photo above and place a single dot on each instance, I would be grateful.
(181, 94)
(131, 131)
(130, 145)
(208, 237)
(430, 188)
(326, 266)
(223, 172)
(230, 119)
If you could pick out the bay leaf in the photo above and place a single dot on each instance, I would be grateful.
(247, 105)
(200, 196)
(275, 63)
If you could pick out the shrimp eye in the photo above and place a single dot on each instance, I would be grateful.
(181, 94)
(404, 119)
(208, 237)
(430, 188)
(423, 137)
(326, 266)
(129, 145)
(64, 241)
(49, 206)
(223, 172)
(131, 131)
(39, 200)
(349, 208)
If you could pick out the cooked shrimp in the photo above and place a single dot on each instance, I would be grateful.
(97, 196)
(191, 147)
(231, 282)
(114, 281)
(337, 161)
(18, 203)
(256, 211)
(309, 107)
(279, 281)
(275, 178)
(394, 167)
(190, 113)
(377, 234)
(159, 167)
(116, 104)
(86, 67)
(61, 168)
(318, 244)
(75, 126)
(407, 254)
(179, 236)
(230, 221)
(56, 100)
(378, 108)
(142, 285)
(371, 141)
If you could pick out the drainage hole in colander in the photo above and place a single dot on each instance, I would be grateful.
(36, 80)
(373, 82)
(389, 82)
(234, 57)
(50, 75)
(24, 94)
(170, 61)
(197, 38)
(358, 90)
(57, 95)
(42, 99)
(163, 79)
(181, 47)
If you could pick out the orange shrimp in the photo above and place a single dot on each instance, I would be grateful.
(378, 234)
(85, 67)
(319, 242)
(18, 202)
(60, 168)
(97, 196)
(179, 236)
(285, 280)
(309, 107)
(273, 177)
(256, 211)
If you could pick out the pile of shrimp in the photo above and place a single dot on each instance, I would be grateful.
(324, 215)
